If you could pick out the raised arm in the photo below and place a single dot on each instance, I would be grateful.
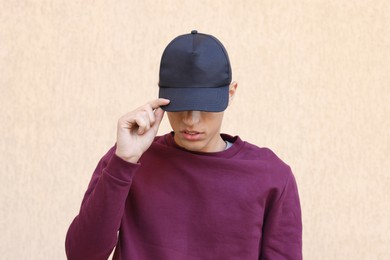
(93, 233)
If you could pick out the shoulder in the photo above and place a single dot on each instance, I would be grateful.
(250, 150)
(269, 160)
(276, 174)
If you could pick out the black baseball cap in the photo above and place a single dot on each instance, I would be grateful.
(195, 74)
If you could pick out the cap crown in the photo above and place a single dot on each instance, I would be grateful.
(195, 60)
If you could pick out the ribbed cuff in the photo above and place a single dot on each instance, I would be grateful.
(121, 169)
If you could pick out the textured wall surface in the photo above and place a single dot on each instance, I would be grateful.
(314, 86)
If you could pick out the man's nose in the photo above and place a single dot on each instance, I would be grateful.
(191, 117)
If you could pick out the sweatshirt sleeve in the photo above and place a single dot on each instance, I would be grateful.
(282, 228)
(93, 232)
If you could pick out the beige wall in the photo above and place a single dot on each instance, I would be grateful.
(314, 86)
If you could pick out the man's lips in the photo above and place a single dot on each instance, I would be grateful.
(191, 135)
(190, 132)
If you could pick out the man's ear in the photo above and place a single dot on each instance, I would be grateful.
(232, 91)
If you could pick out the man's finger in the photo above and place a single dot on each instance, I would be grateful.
(159, 102)
(149, 110)
(159, 114)
(143, 123)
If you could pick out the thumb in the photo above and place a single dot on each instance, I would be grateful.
(159, 114)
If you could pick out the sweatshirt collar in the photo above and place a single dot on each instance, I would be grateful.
(235, 148)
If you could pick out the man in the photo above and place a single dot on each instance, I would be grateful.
(193, 193)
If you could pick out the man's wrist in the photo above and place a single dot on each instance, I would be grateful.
(130, 159)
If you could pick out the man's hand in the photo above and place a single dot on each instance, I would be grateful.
(136, 130)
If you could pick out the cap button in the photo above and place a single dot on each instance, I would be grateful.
(194, 32)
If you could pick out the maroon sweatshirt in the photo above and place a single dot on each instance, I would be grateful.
(241, 203)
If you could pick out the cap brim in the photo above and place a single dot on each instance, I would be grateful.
(197, 99)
